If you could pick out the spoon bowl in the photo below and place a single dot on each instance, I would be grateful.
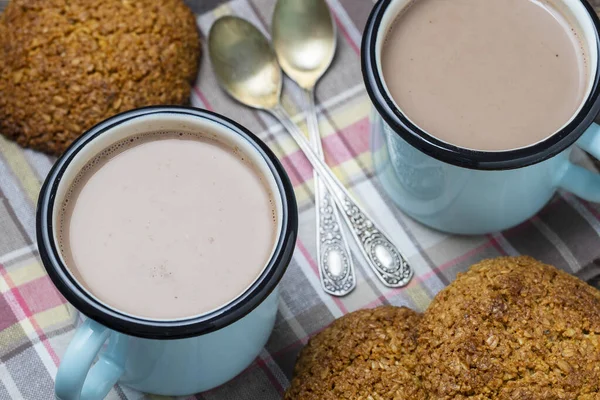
(245, 63)
(304, 38)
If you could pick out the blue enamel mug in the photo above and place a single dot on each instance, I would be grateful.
(465, 191)
(166, 357)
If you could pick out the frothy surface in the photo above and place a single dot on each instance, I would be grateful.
(168, 225)
(485, 74)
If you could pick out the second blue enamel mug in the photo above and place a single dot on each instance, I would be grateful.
(466, 191)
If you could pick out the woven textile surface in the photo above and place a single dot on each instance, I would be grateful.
(36, 324)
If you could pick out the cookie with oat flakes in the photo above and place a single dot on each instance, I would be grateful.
(67, 65)
(367, 354)
(512, 328)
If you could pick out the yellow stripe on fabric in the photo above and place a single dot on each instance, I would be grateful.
(28, 327)
(292, 108)
(348, 169)
(26, 272)
(419, 296)
(364, 293)
(345, 116)
(302, 196)
(13, 155)
(342, 116)
(351, 167)
(12, 334)
(58, 315)
(285, 144)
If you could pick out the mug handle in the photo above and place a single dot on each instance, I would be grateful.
(578, 180)
(77, 379)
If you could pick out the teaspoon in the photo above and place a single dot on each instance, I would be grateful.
(304, 40)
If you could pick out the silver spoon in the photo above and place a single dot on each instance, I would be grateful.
(247, 68)
(304, 40)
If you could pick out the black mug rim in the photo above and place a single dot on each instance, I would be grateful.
(463, 157)
(166, 329)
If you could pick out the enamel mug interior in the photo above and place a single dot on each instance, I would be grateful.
(466, 191)
(153, 119)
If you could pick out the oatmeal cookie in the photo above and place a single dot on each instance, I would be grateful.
(512, 328)
(69, 64)
(368, 354)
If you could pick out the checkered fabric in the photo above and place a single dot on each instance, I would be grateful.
(36, 324)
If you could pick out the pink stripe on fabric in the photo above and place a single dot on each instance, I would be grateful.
(591, 209)
(298, 168)
(344, 31)
(298, 342)
(13, 303)
(347, 143)
(41, 295)
(336, 151)
(274, 382)
(259, 362)
(7, 316)
(417, 280)
(202, 98)
(454, 261)
(10, 297)
(300, 246)
(23, 304)
(497, 245)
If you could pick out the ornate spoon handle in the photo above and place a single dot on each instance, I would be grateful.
(336, 267)
(383, 257)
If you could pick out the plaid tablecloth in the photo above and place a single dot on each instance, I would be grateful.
(36, 324)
